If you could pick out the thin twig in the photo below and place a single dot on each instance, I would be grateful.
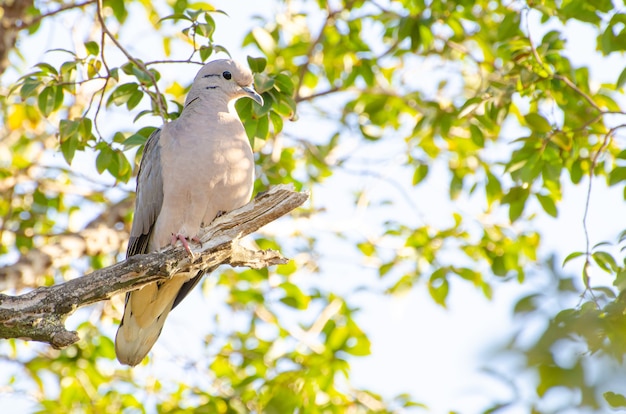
(158, 98)
(163, 62)
(305, 67)
(299, 98)
(106, 67)
(25, 24)
(573, 86)
(594, 162)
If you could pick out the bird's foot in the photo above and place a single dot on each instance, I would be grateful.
(184, 241)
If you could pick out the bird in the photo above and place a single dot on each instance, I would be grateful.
(193, 169)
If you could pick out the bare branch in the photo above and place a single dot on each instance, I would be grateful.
(39, 315)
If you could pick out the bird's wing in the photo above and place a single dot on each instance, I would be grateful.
(149, 196)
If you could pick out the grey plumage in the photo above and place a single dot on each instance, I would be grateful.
(191, 169)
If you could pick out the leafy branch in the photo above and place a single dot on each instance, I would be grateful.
(157, 98)
(594, 155)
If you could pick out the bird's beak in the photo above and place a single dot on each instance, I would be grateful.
(252, 94)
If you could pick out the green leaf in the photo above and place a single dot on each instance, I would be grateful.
(367, 248)
(176, 17)
(68, 148)
(244, 109)
(621, 79)
(294, 297)
(262, 129)
(84, 129)
(118, 166)
(50, 99)
(264, 40)
(250, 127)
(284, 84)
(615, 400)
(92, 48)
(477, 136)
(538, 123)
(68, 71)
(119, 9)
(134, 99)
(29, 87)
(438, 287)
(617, 174)
(205, 52)
(67, 128)
(548, 205)
(122, 94)
(526, 304)
(205, 29)
(119, 137)
(257, 65)
(420, 173)
(277, 122)
(124, 168)
(104, 159)
(516, 198)
(47, 68)
(493, 189)
(263, 83)
(470, 106)
(605, 261)
(572, 256)
(138, 138)
(509, 26)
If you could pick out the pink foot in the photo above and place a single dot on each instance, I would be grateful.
(183, 240)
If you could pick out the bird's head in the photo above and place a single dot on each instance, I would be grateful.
(223, 79)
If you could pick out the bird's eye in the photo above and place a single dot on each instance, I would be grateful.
(227, 75)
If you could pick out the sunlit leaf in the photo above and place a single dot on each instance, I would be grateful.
(538, 123)
(615, 400)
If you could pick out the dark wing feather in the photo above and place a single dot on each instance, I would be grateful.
(149, 196)
(187, 287)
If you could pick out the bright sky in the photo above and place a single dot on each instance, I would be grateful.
(417, 347)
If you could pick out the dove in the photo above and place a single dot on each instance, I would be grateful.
(192, 169)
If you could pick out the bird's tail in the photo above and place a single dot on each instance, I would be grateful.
(144, 315)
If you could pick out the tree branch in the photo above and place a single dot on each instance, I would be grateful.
(39, 315)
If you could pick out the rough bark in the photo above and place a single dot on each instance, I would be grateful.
(13, 12)
(39, 315)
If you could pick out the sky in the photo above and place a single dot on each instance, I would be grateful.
(435, 354)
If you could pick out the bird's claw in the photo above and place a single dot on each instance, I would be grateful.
(185, 243)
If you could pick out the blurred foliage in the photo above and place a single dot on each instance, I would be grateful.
(446, 80)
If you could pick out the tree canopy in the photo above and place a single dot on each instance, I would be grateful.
(475, 118)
